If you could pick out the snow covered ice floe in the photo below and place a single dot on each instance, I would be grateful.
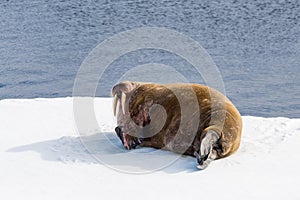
(42, 156)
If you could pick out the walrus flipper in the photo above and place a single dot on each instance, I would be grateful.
(128, 141)
(206, 153)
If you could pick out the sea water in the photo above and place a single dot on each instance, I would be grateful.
(255, 45)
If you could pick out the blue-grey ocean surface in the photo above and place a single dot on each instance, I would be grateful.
(255, 45)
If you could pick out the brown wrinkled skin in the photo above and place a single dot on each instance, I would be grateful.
(226, 120)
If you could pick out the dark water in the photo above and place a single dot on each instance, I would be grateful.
(255, 45)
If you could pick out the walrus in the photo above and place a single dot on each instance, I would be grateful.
(152, 115)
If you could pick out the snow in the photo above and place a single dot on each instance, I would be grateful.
(43, 157)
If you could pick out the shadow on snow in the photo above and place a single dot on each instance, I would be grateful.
(106, 149)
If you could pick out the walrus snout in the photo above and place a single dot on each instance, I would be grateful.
(124, 87)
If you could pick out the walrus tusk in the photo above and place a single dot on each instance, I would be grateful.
(123, 99)
(115, 104)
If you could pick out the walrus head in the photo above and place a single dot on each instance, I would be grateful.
(126, 127)
(144, 109)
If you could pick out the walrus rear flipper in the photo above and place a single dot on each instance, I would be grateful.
(207, 153)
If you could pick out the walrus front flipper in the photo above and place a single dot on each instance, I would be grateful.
(119, 131)
(206, 153)
(128, 141)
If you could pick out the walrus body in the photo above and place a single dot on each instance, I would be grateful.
(209, 128)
